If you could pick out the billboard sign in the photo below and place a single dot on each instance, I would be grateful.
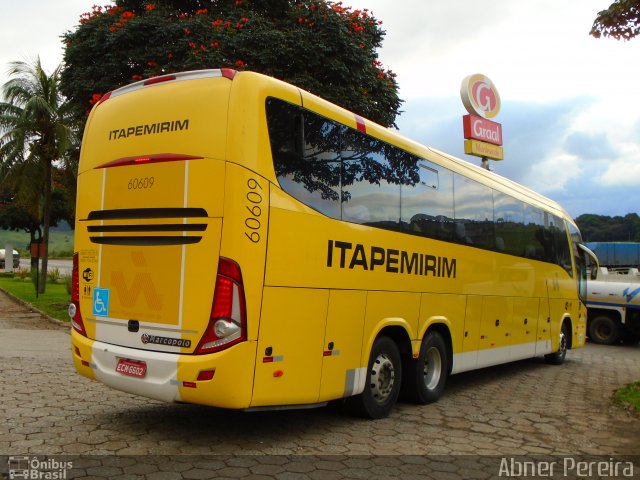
(480, 96)
(483, 149)
(479, 128)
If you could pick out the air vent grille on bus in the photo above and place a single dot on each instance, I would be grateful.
(146, 214)
(133, 213)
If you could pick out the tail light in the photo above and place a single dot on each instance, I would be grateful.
(74, 306)
(228, 320)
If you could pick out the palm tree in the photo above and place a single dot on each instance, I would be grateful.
(35, 133)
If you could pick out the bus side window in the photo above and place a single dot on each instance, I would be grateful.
(427, 206)
(305, 150)
(370, 182)
(285, 133)
(473, 205)
(509, 216)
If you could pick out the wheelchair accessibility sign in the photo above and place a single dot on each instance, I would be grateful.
(101, 302)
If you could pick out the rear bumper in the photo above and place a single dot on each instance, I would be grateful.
(172, 377)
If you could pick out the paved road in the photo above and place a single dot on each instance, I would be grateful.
(63, 265)
(525, 408)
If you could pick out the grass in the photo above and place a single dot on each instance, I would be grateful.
(54, 302)
(630, 395)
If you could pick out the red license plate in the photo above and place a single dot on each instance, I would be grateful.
(133, 368)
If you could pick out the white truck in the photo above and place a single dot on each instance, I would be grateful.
(613, 306)
(16, 258)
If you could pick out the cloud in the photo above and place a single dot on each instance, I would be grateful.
(38, 30)
(590, 146)
(625, 170)
(549, 147)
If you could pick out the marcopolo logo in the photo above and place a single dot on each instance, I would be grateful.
(480, 96)
(168, 341)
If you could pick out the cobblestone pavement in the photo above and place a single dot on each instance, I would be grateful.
(526, 408)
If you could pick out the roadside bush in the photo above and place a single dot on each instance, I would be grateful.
(54, 275)
(22, 272)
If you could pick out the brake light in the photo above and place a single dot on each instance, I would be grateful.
(155, 158)
(228, 320)
(74, 306)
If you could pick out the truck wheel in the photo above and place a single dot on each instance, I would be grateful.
(604, 330)
(383, 381)
(557, 358)
(425, 378)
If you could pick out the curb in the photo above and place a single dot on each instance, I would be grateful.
(55, 321)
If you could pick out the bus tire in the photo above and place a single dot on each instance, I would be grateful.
(604, 329)
(557, 358)
(382, 386)
(425, 377)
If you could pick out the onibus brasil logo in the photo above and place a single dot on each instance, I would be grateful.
(35, 468)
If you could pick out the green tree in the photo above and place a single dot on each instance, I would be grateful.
(26, 214)
(620, 21)
(35, 133)
(320, 46)
(602, 228)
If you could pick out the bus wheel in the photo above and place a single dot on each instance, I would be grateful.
(383, 381)
(557, 358)
(425, 378)
(604, 330)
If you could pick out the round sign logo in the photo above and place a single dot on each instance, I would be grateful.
(480, 96)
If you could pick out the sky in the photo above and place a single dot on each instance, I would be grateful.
(570, 103)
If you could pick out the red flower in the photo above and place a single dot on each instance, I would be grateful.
(136, 77)
(150, 7)
(95, 98)
(202, 11)
(187, 31)
(240, 64)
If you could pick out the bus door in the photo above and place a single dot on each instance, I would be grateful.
(496, 329)
(525, 324)
(543, 344)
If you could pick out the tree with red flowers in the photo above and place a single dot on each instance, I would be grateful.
(318, 45)
(620, 21)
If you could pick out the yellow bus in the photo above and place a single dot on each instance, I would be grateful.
(244, 244)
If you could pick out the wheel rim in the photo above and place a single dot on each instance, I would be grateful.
(383, 377)
(432, 368)
(603, 331)
(563, 343)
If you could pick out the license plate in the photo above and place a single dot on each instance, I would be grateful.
(132, 368)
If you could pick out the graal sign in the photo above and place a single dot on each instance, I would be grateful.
(483, 136)
(480, 96)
